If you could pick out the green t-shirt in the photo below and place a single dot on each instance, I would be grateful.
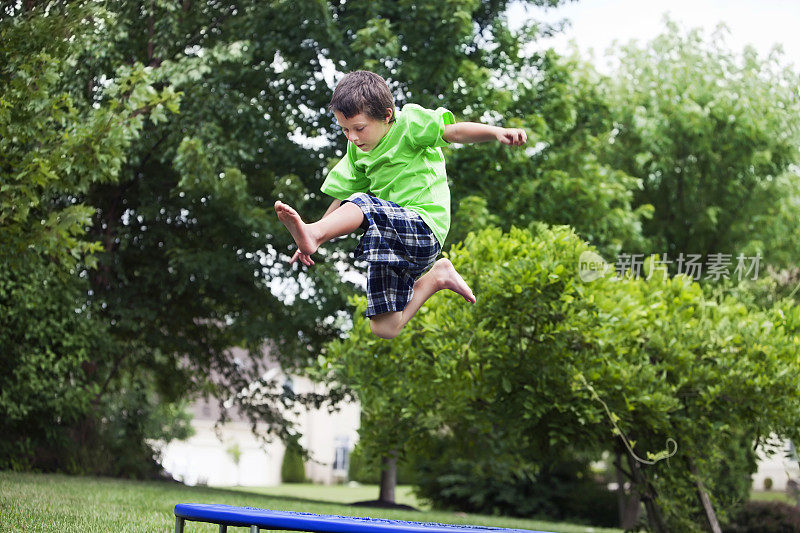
(406, 167)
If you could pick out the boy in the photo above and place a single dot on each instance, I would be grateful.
(398, 158)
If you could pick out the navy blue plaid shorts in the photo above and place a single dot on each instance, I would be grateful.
(398, 247)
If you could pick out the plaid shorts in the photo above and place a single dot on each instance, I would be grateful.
(398, 247)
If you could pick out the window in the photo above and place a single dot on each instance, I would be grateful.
(288, 388)
(341, 458)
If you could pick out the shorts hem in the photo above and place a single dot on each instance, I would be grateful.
(369, 313)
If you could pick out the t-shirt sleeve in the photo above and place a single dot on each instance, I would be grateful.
(426, 126)
(344, 180)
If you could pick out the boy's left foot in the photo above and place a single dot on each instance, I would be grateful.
(449, 278)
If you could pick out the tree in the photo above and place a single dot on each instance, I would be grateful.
(174, 128)
(189, 214)
(559, 179)
(591, 138)
(55, 347)
(712, 135)
(546, 362)
(54, 148)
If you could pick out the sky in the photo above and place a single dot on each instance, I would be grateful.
(596, 24)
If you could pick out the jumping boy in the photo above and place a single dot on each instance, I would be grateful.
(397, 158)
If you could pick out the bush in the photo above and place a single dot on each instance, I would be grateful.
(765, 517)
(546, 362)
(558, 489)
(293, 468)
(62, 412)
(44, 385)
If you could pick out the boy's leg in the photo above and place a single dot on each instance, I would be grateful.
(308, 237)
(441, 276)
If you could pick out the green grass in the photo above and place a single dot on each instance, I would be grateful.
(45, 502)
(337, 493)
(771, 496)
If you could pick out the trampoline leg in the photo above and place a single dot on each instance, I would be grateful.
(179, 524)
(253, 529)
(223, 528)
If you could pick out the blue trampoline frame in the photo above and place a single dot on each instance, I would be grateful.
(255, 518)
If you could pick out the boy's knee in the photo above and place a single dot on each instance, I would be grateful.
(385, 329)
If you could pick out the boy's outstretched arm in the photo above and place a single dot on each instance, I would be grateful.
(474, 132)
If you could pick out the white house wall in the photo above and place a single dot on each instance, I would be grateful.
(323, 432)
(779, 467)
(205, 459)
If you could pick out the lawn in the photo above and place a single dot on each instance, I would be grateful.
(45, 502)
(772, 496)
(337, 493)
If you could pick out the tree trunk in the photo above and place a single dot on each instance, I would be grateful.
(648, 495)
(705, 501)
(388, 477)
(629, 505)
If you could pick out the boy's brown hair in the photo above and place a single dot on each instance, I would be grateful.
(365, 92)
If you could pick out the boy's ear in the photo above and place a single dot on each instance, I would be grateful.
(389, 114)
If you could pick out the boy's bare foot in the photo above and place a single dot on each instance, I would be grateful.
(448, 278)
(305, 242)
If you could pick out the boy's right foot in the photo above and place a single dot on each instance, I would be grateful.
(305, 242)
(449, 278)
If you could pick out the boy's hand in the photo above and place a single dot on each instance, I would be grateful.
(512, 136)
(303, 258)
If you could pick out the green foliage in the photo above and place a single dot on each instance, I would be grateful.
(293, 469)
(56, 415)
(235, 453)
(117, 442)
(54, 146)
(367, 470)
(360, 470)
(44, 384)
(457, 473)
(59, 352)
(732, 473)
(711, 135)
(472, 214)
(764, 517)
(558, 179)
(519, 370)
(167, 130)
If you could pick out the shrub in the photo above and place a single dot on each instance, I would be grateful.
(293, 469)
(765, 517)
(463, 479)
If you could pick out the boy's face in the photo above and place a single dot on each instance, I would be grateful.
(362, 130)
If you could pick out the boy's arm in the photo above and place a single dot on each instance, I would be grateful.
(474, 132)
